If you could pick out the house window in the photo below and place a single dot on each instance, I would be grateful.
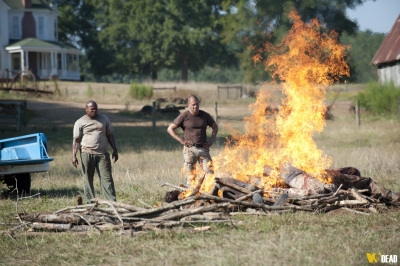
(70, 62)
(42, 60)
(41, 26)
(75, 62)
(39, 59)
(59, 62)
(47, 60)
(16, 60)
(15, 26)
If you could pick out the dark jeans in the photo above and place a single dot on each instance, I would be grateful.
(102, 164)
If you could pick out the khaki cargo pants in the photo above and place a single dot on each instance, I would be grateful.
(192, 156)
(102, 164)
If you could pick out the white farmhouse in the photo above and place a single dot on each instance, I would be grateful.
(29, 42)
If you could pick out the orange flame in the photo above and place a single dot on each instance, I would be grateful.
(305, 62)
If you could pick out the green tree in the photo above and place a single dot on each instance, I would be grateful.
(363, 47)
(156, 34)
(250, 24)
(78, 27)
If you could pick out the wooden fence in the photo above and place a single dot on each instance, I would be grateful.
(12, 114)
(237, 88)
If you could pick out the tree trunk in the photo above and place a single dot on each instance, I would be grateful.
(185, 69)
(154, 75)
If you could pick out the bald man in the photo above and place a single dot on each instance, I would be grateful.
(196, 148)
(91, 135)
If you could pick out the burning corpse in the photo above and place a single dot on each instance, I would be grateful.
(302, 184)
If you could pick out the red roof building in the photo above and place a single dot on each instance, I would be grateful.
(387, 58)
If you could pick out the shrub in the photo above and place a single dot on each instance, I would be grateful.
(380, 99)
(89, 91)
(3, 187)
(140, 91)
(57, 88)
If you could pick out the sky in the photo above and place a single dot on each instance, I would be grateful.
(378, 16)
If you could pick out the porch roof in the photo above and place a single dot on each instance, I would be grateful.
(33, 44)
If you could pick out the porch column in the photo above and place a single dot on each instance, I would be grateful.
(9, 65)
(54, 74)
(56, 61)
(77, 63)
(22, 61)
(26, 60)
(64, 65)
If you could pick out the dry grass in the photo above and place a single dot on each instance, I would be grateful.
(149, 156)
(108, 93)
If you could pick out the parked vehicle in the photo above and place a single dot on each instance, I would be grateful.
(21, 156)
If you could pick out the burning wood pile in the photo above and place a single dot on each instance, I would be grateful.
(217, 199)
(229, 197)
(343, 188)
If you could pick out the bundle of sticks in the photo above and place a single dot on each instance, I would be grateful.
(126, 219)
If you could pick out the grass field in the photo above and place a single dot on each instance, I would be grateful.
(149, 156)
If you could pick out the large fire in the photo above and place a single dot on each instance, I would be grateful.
(305, 62)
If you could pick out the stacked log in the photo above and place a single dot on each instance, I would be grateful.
(238, 198)
(102, 215)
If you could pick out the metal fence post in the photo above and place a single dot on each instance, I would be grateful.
(24, 113)
(358, 120)
(153, 114)
(216, 111)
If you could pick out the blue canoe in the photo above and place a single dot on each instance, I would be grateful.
(27, 149)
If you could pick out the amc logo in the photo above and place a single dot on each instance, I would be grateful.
(378, 257)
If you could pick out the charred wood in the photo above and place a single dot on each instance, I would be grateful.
(249, 195)
(198, 185)
(228, 182)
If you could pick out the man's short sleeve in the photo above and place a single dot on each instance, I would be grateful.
(109, 128)
(77, 132)
(210, 120)
(179, 121)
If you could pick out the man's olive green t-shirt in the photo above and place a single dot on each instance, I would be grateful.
(93, 133)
